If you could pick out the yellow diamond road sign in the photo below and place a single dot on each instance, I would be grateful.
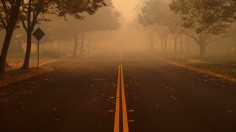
(38, 34)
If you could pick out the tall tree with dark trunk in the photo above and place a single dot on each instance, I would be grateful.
(9, 12)
(208, 18)
(29, 21)
(33, 9)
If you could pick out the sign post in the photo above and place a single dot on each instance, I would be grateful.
(38, 34)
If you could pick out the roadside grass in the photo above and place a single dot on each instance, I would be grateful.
(14, 73)
(17, 72)
(216, 58)
(218, 68)
(19, 75)
(218, 63)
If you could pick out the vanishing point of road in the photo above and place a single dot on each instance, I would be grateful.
(118, 92)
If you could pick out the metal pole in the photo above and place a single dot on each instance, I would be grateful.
(38, 53)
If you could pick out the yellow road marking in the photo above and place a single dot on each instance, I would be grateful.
(124, 109)
(117, 109)
(120, 90)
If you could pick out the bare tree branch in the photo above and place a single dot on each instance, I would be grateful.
(192, 36)
(3, 22)
(35, 18)
(222, 37)
(29, 14)
(23, 23)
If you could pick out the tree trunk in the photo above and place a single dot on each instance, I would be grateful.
(175, 45)
(4, 52)
(28, 50)
(181, 48)
(202, 43)
(9, 31)
(151, 45)
(82, 46)
(202, 50)
(89, 46)
(165, 44)
(181, 44)
(29, 29)
(162, 45)
(75, 47)
(188, 46)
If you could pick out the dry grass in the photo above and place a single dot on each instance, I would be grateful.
(20, 75)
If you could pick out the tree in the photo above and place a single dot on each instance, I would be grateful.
(208, 18)
(40, 8)
(105, 19)
(9, 11)
(29, 13)
(156, 15)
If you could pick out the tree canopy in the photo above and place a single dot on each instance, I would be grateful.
(154, 12)
(31, 12)
(206, 16)
(105, 19)
(157, 15)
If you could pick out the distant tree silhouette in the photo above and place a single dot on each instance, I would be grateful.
(207, 18)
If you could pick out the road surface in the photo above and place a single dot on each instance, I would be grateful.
(118, 91)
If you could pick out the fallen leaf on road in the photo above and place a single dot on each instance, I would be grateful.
(132, 120)
(173, 97)
(109, 111)
(131, 111)
(111, 97)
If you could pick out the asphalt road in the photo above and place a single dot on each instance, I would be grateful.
(80, 96)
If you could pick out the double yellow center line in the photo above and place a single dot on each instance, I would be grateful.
(120, 96)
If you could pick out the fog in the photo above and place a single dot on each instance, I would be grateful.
(126, 24)
(118, 65)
